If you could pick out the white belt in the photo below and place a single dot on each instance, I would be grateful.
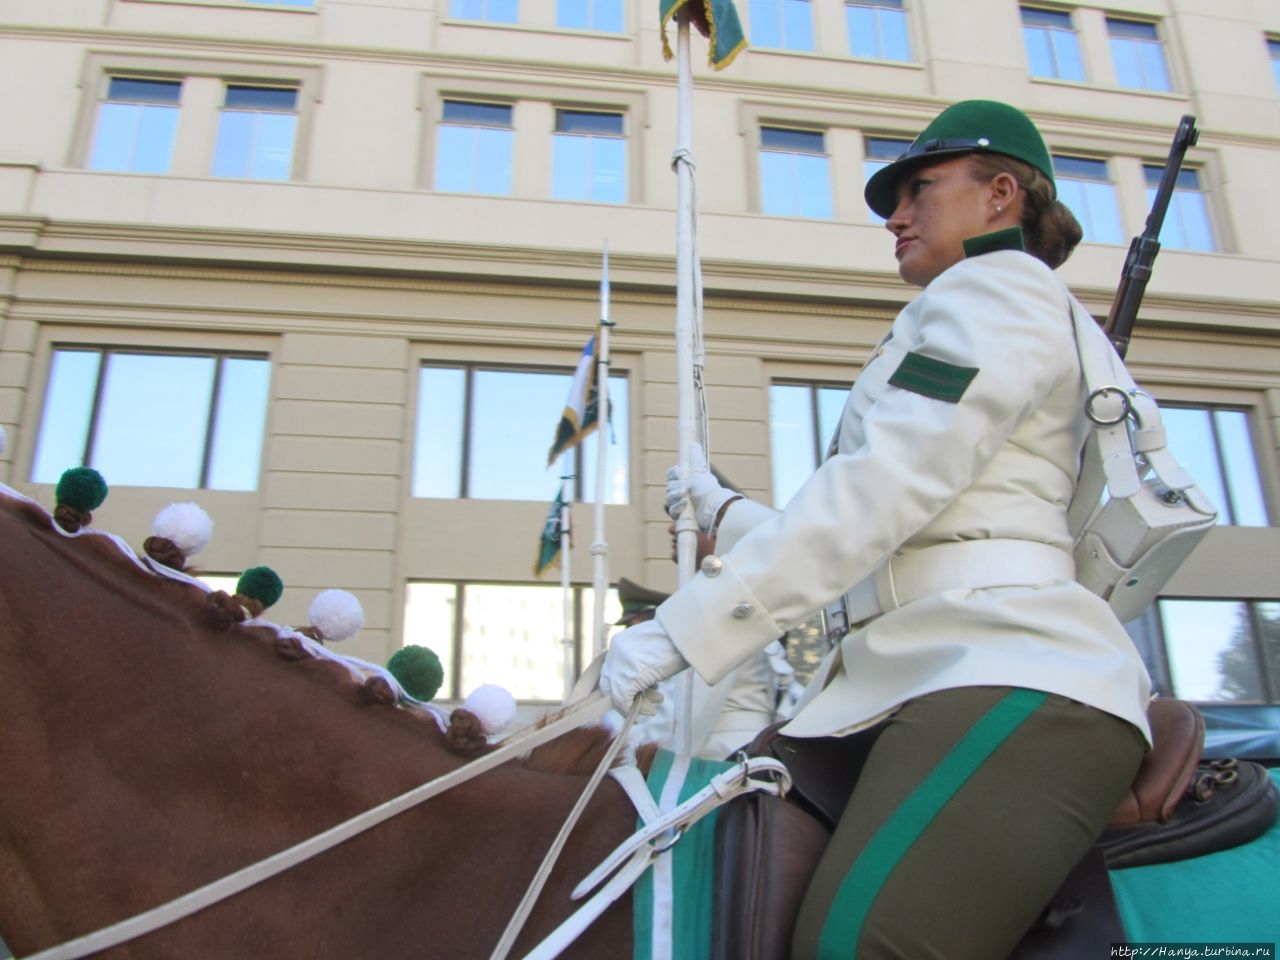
(963, 565)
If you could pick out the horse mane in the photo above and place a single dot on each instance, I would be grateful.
(576, 752)
(147, 752)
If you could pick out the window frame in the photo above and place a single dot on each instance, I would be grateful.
(762, 148)
(258, 112)
(442, 122)
(1109, 180)
(470, 367)
(813, 409)
(1228, 510)
(592, 137)
(778, 11)
(194, 145)
(1053, 47)
(1160, 42)
(878, 6)
(593, 15)
(528, 99)
(486, 19)
(142, 106)
(147, 342)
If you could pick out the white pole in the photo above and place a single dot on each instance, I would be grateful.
(600, 545)
(686, 525)
(566, 593)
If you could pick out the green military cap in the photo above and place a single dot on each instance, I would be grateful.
(971, 126)
(636, 600)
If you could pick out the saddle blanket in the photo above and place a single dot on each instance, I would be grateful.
(1227, 896)
(672, 902)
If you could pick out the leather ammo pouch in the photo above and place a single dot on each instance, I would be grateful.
(1128, 547)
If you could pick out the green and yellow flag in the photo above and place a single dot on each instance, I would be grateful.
(549, 542)
(717, 20)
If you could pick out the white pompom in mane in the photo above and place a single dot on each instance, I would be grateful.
(186, 525)
(336, 614)
(493, 706)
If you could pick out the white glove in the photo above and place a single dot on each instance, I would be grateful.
(637, 659)
(702, 488)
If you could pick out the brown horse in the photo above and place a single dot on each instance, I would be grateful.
(144, 752)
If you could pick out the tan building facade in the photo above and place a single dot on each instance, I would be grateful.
(350, 193)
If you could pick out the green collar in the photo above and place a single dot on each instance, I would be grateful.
(1009, 238)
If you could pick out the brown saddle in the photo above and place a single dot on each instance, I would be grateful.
(768, 849)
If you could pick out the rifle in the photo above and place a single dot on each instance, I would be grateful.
(1145, 246)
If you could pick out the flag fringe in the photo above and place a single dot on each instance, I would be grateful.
(704, 18)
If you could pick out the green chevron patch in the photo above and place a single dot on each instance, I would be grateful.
(933, 378)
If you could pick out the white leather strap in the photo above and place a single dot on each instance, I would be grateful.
(587, 711)
(737, 780)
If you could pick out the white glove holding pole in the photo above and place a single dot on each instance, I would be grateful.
(637, 660)
(702, 489)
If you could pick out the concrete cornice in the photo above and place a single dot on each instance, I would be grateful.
(42, 245)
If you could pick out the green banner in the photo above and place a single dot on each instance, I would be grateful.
(717, 20)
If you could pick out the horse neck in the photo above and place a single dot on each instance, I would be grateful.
(145, 754)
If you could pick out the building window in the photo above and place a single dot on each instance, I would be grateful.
(1225, 651)
(1053, 49)
(1085, 187)
(494, 11)
(589, 157)
(255, 133)
(511, 635)
(880, 152)
(154, 419)
(794, 177)
(1215, 446)
(474, 148)
(484, 433)
(1186, 223)
(602, 15)
(877, 29)
(803, 418)
(782, 24)
(1273, 48)
(136, 125)
(1138, 55)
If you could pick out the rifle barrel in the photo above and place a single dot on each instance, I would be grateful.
(1142, 251)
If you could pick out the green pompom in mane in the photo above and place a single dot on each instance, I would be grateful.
(419, 671)
(81, 488)
(262, 584)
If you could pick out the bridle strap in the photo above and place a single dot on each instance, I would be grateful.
(587, 710)
(516, 923)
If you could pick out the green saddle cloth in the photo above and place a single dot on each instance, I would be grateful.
(672, 901)
(1231, 896)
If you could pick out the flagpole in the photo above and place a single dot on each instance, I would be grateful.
(600, 546)
(566, 593)
(686, 526)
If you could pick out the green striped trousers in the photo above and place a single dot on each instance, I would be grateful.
(971, 808)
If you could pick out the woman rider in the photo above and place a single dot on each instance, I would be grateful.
(1002, 704)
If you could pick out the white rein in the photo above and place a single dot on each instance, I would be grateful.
(586, 711)
(626, 864)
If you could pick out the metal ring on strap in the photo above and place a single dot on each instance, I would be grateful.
(1126, 407)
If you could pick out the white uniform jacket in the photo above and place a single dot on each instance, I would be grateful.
(965, 427)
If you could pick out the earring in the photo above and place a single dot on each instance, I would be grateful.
(999, 209)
